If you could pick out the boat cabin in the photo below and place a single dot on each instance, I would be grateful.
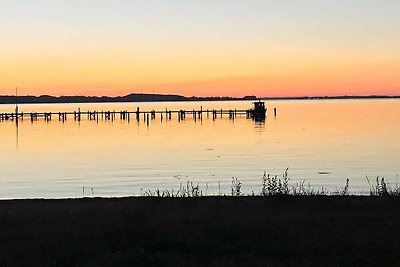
(259, 107)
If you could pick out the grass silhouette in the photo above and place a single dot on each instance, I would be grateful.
(280, 226)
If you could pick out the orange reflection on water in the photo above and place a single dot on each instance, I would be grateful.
(347, 138)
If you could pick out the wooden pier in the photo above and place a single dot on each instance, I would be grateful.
(166, 114)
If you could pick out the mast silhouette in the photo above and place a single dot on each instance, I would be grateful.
(16, 118)
(16, 103)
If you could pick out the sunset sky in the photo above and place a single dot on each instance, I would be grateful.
(202, 48)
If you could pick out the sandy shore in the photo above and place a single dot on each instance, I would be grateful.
(207, 231)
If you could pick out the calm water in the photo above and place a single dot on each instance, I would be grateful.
(343, 138)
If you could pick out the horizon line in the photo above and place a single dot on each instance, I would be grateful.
(193, 96)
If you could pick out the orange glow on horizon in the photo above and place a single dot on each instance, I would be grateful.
(279, 72)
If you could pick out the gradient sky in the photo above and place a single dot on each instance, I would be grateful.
(220, 47)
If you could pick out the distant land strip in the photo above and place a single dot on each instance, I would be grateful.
(9, 99)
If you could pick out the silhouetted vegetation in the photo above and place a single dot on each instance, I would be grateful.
(138, 97)
(101, 99)
(282, 225)
(274, 185)
(236, 188)
(382, 188)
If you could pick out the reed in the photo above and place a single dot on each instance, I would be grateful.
(382, 187)
(274, 185)
(236, 187)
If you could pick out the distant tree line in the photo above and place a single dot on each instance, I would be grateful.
(9, 99)
(95, 99)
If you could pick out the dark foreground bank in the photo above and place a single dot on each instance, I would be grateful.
(206, 231)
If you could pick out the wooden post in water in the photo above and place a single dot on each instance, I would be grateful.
(274, 112)
(62, 116)
(77, 115)
(147, 121)
(47, 116)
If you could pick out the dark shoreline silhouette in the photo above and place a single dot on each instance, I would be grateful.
(104, 99)
(29, 99)
(206, 231)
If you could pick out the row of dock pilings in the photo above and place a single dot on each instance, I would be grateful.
(232, 114)
(125, 114)
(181, 115)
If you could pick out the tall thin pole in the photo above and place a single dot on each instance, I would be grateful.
(16, 102)
(16, 117)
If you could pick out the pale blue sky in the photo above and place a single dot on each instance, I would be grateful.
(217, 21)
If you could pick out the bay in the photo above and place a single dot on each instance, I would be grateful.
(322, 142)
